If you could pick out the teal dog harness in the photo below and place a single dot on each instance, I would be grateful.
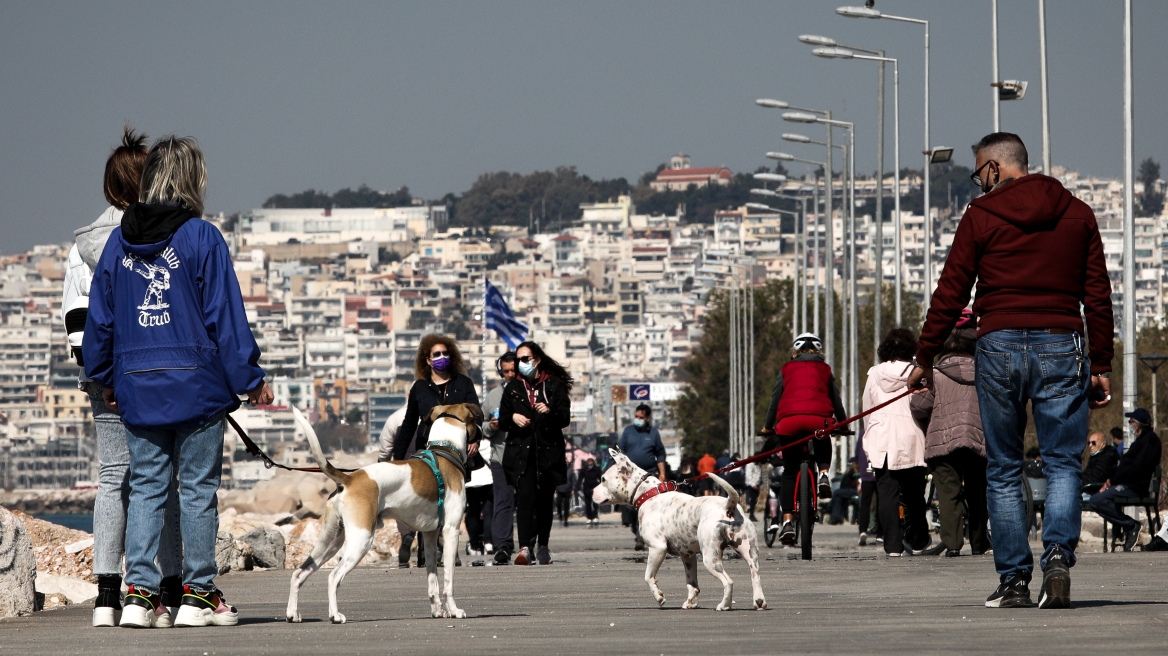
(430, 455)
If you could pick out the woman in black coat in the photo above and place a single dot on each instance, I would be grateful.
(534, 411)
(441, 380)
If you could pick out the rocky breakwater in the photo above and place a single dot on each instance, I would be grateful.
(49, 502)
(17, 567)
(57, 563)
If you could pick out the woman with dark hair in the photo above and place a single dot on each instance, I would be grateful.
(439, 379)
(954, 441)
(895, 446)
(534, 411)
(123, 172)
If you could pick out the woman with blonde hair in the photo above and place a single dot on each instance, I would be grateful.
(440, 379)
(168, 339)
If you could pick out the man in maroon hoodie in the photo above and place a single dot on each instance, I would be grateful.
(1035, 253)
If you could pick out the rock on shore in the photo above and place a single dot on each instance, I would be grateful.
(17, 566)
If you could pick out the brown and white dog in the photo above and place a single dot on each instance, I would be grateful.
(684, 526)
(406, 491)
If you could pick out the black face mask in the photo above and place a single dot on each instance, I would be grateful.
(987, 186)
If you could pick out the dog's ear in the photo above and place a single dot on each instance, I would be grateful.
(438, 409)
(474, 425)
(614, 452)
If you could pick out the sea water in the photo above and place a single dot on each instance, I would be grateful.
(80, 522)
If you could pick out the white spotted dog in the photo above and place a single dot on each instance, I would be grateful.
(675, 523)
(406, 491)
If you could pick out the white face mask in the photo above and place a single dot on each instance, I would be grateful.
(527, 369)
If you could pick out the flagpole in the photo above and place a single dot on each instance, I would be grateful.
(483, 321)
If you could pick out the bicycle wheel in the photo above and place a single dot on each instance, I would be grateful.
(806, 509)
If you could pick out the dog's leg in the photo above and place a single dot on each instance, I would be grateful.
(652, 564)
(330, 540)
(691, 580)
(712, 557)
(430, 538)
(449, 555)
(357, 543)
(748, 549)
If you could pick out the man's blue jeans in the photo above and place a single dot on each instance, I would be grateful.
(199, 451)
(1052, 373)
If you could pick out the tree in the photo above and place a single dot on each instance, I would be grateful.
(363, 196)
(1151, 203)
(702, 411)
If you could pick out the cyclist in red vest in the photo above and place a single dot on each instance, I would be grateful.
(805, 396)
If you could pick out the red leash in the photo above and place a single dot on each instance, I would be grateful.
(819, 433)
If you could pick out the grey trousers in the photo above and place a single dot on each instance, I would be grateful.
(503, 517)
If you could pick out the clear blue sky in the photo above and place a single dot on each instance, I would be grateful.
(285, 96)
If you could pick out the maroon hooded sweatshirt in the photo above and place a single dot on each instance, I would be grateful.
(1035, 253)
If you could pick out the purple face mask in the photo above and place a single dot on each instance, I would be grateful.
(440, 363)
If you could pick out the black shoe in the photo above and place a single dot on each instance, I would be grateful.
(952, 553)
(1133, 536)
(403, 564)
(787, 533)
(1056, 582)
(1013, 593)
(502, 557)
(543, 557)
(1157, 544)
(934, 550)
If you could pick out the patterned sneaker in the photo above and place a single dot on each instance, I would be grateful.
(1056, 581)
(205, 609)
(523, 557)
(1014, 592)
(144, 611)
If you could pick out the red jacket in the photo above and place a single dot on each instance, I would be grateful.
(1035, 252)
(806, 390)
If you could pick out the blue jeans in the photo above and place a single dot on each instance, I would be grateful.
(1051, 372)
(199, 452)
(1104, 504)
(113, 497)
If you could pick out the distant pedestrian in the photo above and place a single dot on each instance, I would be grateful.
(868, 527)
(168, 338)
(641, 442)
(955, 443)
(1132, 477)
(1035, 254)
(1102, 461)
(503, 492)
(1117, 440)
(849, 488)
(706, 464)
(480, 502)
(589, 478)
(123, 172)
(896, 447)
(534, 411)
(439, 379)
(751, 479)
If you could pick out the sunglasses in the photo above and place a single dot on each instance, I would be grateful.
(1093, 443)
(976, 175)
(438, 354)
(526, 358)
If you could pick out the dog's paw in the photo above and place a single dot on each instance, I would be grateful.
(458, 614)
(689, 605)
(760, 604)
(723, 606)
(660, 599)
(338, 619)
(294, 618)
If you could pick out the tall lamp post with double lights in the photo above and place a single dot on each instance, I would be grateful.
(829, 282)
(815, 296)
(878, 292)
(869, 12)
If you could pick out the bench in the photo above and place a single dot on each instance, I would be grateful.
(1150, 504)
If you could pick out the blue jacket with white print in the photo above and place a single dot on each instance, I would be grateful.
(167, 328)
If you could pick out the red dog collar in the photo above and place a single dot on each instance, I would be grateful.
(661, 488)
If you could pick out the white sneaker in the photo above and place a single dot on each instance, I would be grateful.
(106, 616)
(205, 609)
(144, 611)
(488, 548)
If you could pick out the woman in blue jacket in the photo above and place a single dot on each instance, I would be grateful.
(168, 339)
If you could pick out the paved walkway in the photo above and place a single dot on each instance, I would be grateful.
(592, 599)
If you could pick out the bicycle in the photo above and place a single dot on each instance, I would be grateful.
(806, 499)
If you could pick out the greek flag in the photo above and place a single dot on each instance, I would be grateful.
(500, 319)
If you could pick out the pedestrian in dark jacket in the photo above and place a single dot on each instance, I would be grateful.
(1132, 477)
(534, 411)
(867, 495)
(1102, 461)
(440, 379)
(955, 444)
(589, 478)
(1035, 254)
(168, 339)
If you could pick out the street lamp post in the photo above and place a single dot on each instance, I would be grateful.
(1046, 170)
(994, 65)
(868, 12)
(878, 251)
(1154, 361)
(799, 319)
(829, 282)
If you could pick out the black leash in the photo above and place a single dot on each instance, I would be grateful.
(256, 451)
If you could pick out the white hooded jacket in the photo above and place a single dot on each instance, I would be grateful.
(892, 438)
(83, 257)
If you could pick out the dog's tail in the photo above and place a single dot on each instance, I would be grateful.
(326, 467)
(732, 494)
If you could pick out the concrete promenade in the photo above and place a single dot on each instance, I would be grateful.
(592, 600)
